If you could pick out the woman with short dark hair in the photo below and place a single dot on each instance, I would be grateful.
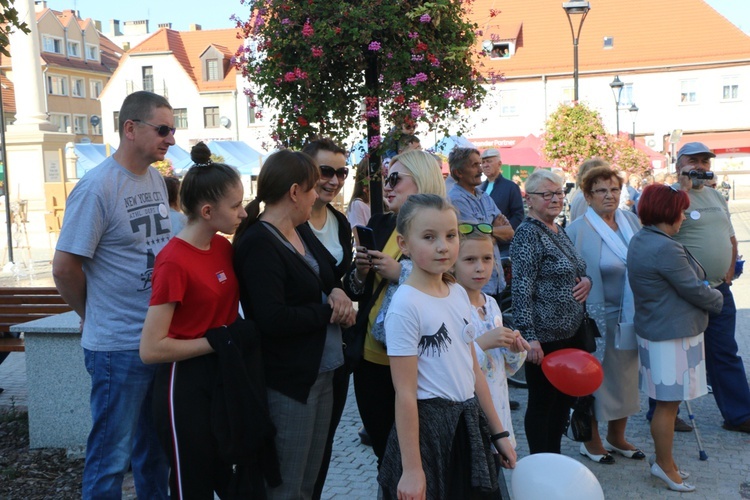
(672, 302)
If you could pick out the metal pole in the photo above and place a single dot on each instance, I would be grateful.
(373, 129)
(4, 159)
(575, 69)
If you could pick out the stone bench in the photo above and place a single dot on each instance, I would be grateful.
(58, 385)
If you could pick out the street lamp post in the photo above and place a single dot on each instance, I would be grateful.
(576, 8)
(616, 85)
(633, 114)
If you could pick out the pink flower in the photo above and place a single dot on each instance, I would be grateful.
(285, 21)
(317, 52)
(425, 18)
(413, 35)
(374, 46)
(375, 141)
(307, 29)
(290, 76)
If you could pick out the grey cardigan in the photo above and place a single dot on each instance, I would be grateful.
(671, 299)
(589, 244)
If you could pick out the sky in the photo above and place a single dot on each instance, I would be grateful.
(216, 14)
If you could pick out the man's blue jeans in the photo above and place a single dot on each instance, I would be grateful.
(122, 430)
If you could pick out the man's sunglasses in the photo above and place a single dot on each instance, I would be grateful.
(394, 178)
(470, 228)
(327, 172)
(162, 130)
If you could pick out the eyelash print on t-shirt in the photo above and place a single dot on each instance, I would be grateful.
(436, 343)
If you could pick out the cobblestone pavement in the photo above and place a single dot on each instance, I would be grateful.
(725, 475)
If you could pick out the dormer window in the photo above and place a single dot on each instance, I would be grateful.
(214, 64)
(502, 50)
(609, 42)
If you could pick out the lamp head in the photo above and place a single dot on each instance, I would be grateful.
(576, 7)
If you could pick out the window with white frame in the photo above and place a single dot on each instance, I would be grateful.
(80, 124)
(211, 117)
(116, 119)
(74, 48)
(92, 52)
(212, 70)
(96, 129)
(626, 98)
(508, 103)
(96, 88)
(254, 114)
(180, 118)
(62, 121)
(688, 91)
(52, 44)
(78, 87)
(57, 85)
(730, 88)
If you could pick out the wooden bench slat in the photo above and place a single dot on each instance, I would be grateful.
(31, 299)
(14, 290)
(11, 345)
(16, 309)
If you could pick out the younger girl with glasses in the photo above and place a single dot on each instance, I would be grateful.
(499, 349)
(445, 419)
(195, 293)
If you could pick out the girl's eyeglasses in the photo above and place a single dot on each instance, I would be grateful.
(470, 228)
(327, 172)
(394, 178)
(161, 130)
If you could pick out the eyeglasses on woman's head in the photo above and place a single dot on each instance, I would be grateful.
(470, 228)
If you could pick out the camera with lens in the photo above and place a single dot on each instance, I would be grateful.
(699, 174)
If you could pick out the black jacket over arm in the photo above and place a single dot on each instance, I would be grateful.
(282, 294)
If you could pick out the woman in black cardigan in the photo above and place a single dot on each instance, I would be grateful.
(288, 287)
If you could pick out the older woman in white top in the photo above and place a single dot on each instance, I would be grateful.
(602, 236)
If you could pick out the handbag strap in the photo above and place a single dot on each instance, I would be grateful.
(572, 261)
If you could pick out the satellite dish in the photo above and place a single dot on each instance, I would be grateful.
(225, 122)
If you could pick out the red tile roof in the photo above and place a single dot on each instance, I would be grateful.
(647, 34)
(188, 46)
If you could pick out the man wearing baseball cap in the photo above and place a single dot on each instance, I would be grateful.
(505, 193)
(708, 234)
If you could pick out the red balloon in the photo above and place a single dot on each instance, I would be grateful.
(573, 372)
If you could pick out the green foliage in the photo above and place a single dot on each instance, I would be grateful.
(8, 22)
(307, 60)
(626, 158)
(575, 133)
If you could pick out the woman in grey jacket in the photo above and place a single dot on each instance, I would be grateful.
(672, 303)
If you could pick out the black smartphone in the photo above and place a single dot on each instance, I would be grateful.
(366, 237)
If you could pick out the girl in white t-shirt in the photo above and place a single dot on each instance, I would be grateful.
(441, 447)
(499, 349)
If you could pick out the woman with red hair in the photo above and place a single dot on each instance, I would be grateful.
(672, 302)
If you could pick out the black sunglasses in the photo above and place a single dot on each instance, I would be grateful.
(327, 172)
(470, 228)
(394, 178)
(162, 130)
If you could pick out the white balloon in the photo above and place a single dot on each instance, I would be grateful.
(550, 476)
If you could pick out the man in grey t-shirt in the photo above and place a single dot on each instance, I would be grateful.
(116, 221)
